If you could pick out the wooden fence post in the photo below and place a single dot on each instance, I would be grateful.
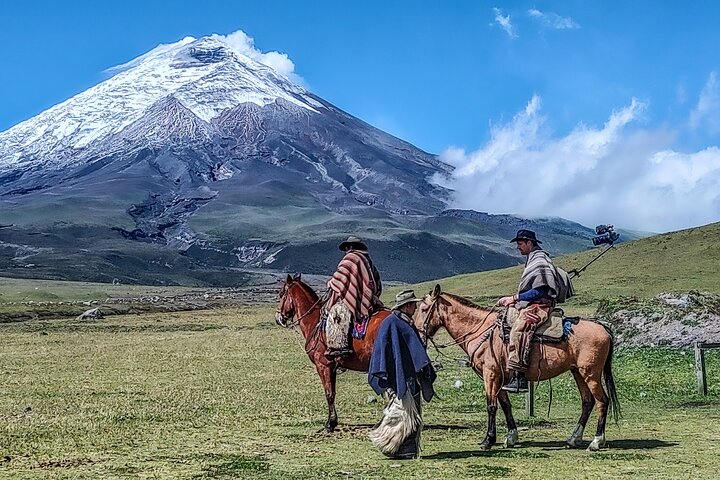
(700, 368)
(530, 400)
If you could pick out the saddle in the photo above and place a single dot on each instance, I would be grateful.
(556, 328)
(553, 330)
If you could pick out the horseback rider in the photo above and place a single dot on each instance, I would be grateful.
(354, 290)
(542, 286)
(401, 371)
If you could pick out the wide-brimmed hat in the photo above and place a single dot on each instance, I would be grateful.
(525, 235)
(354, 242)
(405, 297)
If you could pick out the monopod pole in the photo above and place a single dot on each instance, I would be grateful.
(576, 272)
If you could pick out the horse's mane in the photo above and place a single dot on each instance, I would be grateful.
(308, 288)
(464, 301)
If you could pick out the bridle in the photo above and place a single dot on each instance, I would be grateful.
(291, 321)
(465, 338)
(314, 338)
(423, 332)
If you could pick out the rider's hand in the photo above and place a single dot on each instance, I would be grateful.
(505, 301)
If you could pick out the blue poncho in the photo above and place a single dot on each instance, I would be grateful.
(399, 356)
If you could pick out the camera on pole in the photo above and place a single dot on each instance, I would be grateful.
(604, 234)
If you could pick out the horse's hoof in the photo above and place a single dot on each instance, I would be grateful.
(485, 446)
(327, 429)
(596, 444)
(574, 444)
(511, 439)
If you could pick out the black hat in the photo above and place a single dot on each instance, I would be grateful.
(354, 242)
(525, 235)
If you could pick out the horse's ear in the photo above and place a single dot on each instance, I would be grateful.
(436, 291)
(289, 279)
(297, 277)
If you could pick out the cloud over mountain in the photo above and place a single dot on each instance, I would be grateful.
(617, 172)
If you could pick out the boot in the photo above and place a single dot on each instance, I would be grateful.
(518, 384)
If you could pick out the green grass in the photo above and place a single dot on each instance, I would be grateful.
(22, 299)
(157, 396)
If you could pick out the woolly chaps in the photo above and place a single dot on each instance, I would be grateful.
(398, 434)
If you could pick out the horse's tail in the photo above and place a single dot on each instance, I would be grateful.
(613, 402)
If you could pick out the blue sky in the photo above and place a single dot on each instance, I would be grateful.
(497, 88)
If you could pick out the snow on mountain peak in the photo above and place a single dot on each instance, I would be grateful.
(206, 75)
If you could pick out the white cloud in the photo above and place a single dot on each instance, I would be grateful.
(553, 20)
(609, 174)
(504, 22)
(706, 113)
(245, 45)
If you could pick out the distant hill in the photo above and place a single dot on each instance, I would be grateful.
(670, 262)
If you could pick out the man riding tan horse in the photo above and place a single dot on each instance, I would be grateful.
(542, 286)
(354, 290)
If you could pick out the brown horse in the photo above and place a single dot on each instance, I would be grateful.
(587, 354)
(300, 306)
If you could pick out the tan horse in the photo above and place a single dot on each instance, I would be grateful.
(299, 306)
(587, 354)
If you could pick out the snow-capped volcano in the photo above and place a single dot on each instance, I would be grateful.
(198, 154)
(206, 76)
(195, 163)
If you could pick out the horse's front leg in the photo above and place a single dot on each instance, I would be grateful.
(492, 387)
(328, 375)
(512, 435)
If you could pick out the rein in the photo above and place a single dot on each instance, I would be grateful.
(482, 337)
(465, 337)
(296, 322)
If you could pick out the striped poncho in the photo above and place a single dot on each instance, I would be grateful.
(357, 283)
(541, 272)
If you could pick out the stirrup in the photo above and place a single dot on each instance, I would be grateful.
(516, 385)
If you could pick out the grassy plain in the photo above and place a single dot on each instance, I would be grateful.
(228, 394)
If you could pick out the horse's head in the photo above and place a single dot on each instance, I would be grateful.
(286, 304)
(427, 318)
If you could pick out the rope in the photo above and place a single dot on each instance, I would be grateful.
(464, 337)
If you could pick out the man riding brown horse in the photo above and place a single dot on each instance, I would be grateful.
(542, 286)
(354, 290)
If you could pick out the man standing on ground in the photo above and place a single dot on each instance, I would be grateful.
(400, 370)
